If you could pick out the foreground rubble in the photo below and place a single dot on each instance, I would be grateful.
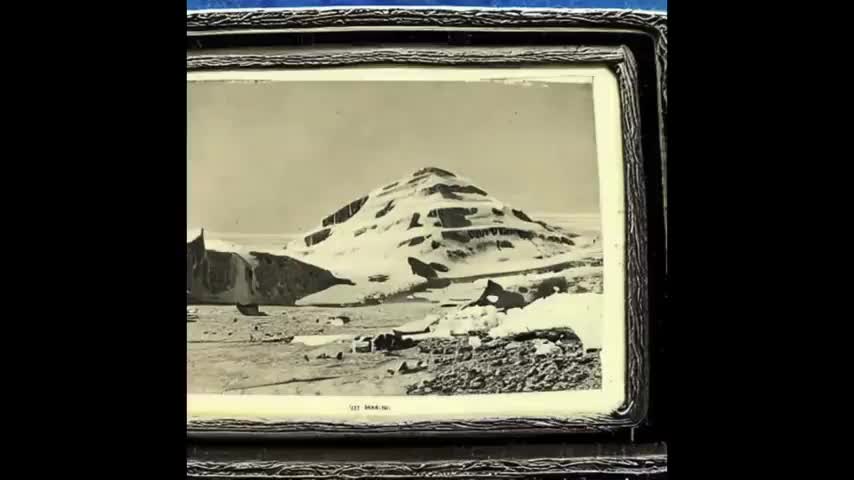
(537, 361)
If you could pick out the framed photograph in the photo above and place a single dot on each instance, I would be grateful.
(415, 238)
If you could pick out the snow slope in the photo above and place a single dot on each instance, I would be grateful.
(450, 227)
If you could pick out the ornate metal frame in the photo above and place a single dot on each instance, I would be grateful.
(620, 59)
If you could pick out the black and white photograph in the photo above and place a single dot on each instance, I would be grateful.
(394, 233)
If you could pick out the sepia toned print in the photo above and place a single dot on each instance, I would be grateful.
(394, 238)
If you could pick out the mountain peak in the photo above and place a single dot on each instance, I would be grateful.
(435, 171)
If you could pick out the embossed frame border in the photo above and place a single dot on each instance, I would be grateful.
(517, 461)
(619, 59)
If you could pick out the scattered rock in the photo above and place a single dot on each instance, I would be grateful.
(277, 339)
(340, 356)
(545, 347)
(361, 345)
(535, 363)
(338, 321)
(391, 341)
(305, 357)
(378, 278)
(249, 311)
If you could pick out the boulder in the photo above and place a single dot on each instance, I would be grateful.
(361, 345)
(390, 341)
(495, 294)
(421, 269)
(249, 311)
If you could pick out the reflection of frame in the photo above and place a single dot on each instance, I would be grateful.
(616, 57)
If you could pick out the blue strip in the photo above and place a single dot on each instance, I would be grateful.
(659, 5)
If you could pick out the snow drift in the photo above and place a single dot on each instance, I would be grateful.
(580, 312)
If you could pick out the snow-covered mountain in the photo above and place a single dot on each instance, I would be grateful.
(435, 227)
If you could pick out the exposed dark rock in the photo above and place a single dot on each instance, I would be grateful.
(434, 244)
(389, 206)
(414, 222)
(438, 283)
(455, 254)
(545, 225)
(223, 268)
(451, 191)
(433, 170)
(550, 286)
(505, 244)
(228, 278)
(557, 335)
(412, 241)
(498, 212)
(505, 299)
(465, 236)
(391, 341)
(390, 186)
(344, 213)
(378, 278)
(317, 237)
(422, 269)
(453, 217)
(439, 267)
(522, 216)
(195, 261)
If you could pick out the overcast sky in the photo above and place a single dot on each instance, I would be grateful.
(276, 157)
